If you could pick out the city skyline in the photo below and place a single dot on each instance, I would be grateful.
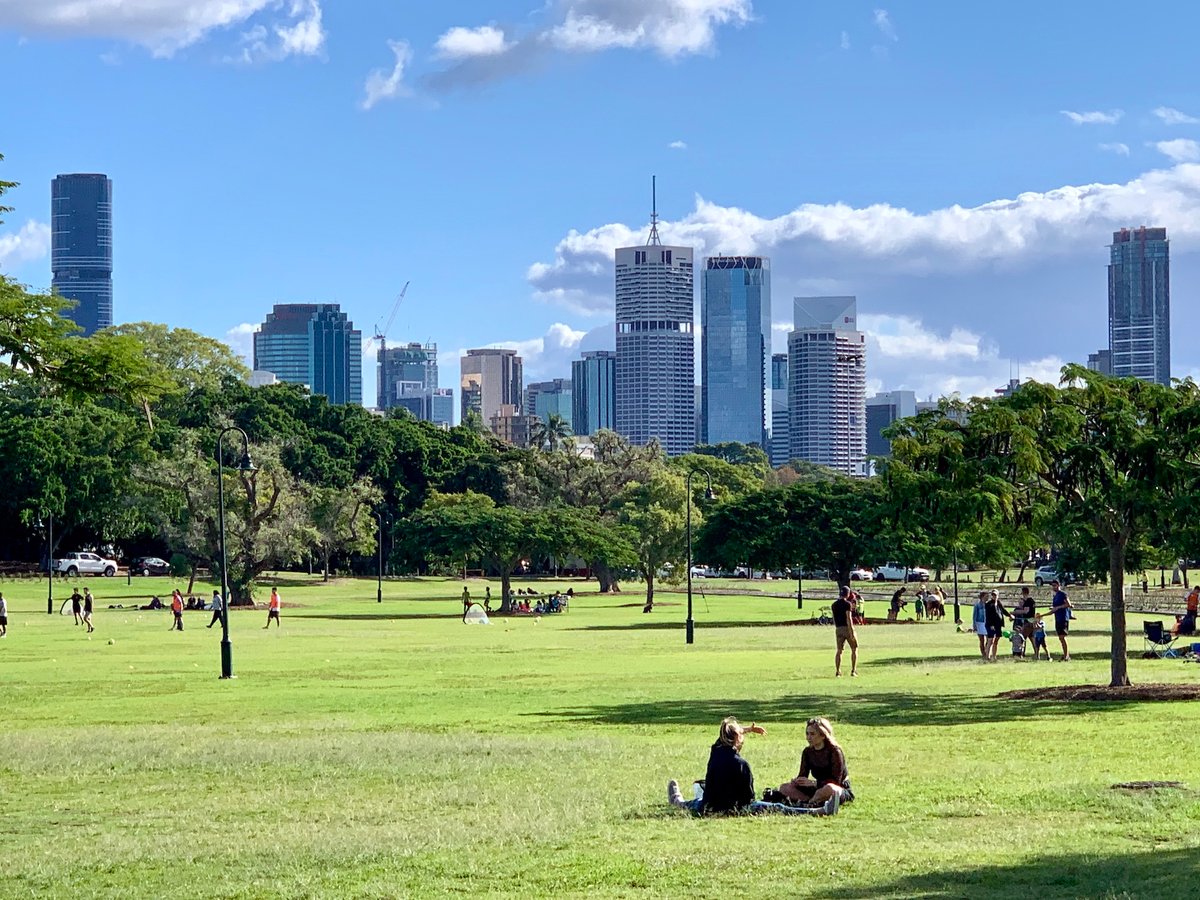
(923, 190)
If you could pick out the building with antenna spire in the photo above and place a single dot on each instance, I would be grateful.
(656, 352)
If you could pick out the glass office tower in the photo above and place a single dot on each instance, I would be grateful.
(593, 389)
(313, 344)
(406, 363)
(735, 335)
(1139, 304)
(81, 247)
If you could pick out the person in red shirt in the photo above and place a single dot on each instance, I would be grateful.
(176, 611)
(273, 608)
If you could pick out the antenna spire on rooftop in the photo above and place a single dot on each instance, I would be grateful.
(653, 240)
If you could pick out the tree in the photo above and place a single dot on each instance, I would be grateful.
(342, 520)
(1110, 451)
(5, 187)
(737, 454)
(190, 360)
(549, 433)
(654, 511)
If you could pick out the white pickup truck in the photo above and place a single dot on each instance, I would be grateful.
(893, 571)
(75, 564)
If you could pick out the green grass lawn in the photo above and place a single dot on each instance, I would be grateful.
(387, 749)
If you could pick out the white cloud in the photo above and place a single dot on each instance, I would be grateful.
(463, 43)
(240, 339)
(1171, 116)
(542, 358)
(304, 36)
(1112, 117)
(29, 244)
(845, 42)
(1117, 148)
(670, 27)
(840, 242)
(677, 145)
(384, 85)
(1180, 150)
(884, 23)
(167, 26)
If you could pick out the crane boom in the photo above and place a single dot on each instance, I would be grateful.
(382, 335)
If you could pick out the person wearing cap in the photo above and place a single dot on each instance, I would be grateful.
(729, 783)
(1061, 607)
(843, 626)
(994, 616)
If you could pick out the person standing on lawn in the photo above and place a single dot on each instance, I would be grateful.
(77, 605)
(88, 601)
(995, 614)
(979, 622)
(273, 608)
(1061, 607)
(843, 626)
(216, 607)
(3, 616)
(176, 611)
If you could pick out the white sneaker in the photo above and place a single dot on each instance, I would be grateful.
(674, 795)
(833, 804)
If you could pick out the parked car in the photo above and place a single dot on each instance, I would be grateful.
(1047, 574)
(861, 574)
(75, 564)
(894, 571)
(150, 565)
(700, 571)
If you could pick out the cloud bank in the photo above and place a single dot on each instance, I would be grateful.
(29, 244)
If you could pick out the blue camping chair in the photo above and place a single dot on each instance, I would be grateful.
(1158, 641)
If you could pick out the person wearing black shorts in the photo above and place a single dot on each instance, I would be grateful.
(1061, 607)
(994, 615)
(3, 617)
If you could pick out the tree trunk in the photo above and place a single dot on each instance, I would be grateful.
(1185, 577)
(325, 564)
(1116, 593)
(604, 575)
(1024, 566)
(649, 594)
(841, 573)
(192, 578)
(506, 599)
(1004, 575)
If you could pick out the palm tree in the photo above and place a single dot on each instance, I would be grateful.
(549, 433)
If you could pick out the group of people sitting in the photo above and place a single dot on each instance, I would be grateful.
(1186, 623)
(555, 603)
(928, 603)
(819, 789)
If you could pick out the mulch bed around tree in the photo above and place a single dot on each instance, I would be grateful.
(1146, 692)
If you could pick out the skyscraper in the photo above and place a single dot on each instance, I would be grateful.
(656, 392)
(735, 337)
(1139, 304)
(411, 362)
(314, 344)
(779, 410)
(593, 390)
(882, 410)
(827, 385)
(490, 379)
(81, 247)
(544, 399)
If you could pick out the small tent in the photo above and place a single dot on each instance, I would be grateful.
(475, 616)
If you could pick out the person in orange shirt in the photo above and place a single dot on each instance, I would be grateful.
(1193, 600)
(273, 608)
(176, 610)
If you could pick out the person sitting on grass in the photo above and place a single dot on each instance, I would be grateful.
(729, 783)
(823, 774)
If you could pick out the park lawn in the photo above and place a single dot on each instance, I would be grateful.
(387, 749)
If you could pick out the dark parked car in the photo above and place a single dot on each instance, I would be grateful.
(150, 565)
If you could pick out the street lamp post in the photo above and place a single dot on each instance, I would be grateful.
(246, 465)
(708, 495)
(379, 580)
(957, 609)
(50, 568)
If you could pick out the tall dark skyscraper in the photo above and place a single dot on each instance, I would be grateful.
(1139, 304)
(81, 247)
(313, 344)
(593, 389)
(735, 341)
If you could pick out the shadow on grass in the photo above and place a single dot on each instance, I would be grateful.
(1161, 873)
(650, 624)
(877, 709)
(374, 617)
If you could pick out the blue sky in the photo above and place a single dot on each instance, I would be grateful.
(958, 167)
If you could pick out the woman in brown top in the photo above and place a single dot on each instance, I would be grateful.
(822, 767)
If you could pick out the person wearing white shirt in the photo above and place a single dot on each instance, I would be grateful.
(215, 606)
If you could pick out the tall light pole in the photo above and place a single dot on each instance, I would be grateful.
(245, 465)
(379, 580)
(50, 568)
(708, 495)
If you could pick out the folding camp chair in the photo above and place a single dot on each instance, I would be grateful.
(1158, 641)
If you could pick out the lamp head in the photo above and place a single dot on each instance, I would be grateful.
(708, 494)
(247, 464)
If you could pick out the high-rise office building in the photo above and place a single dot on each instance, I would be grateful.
(735, 340)
(1100, 361)
(404, 364)
(489, 379)
(827, 385)
(81, 247)
(882, 410)
(1139, 304)
(313, 344)
(779, 410)
(656, 390)
(544, 399)
(510, 424)
(593, 391)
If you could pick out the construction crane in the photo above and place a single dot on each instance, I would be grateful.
(381, 337)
